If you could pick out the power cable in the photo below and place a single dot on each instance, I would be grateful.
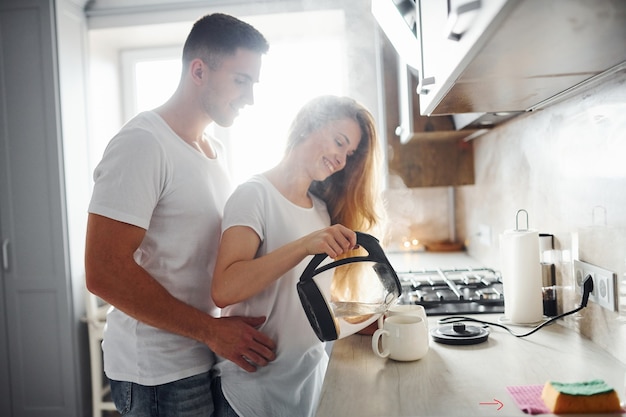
(587, 289)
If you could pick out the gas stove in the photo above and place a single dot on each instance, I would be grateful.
(453, 291)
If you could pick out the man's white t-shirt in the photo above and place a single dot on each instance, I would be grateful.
(151, 178)
(290, 385)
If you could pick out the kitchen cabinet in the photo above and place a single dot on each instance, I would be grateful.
(402, 77)
(412, 125)
(433, 163)
(39, 347)
(504, 56)
(5, 383)
(423, 151)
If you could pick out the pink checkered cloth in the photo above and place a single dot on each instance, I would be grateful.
(528, 399)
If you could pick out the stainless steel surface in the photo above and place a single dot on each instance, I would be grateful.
(533, 51)
(453, 291)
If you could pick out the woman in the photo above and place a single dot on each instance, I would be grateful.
(322, 190)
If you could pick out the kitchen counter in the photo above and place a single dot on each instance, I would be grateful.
(461, 380)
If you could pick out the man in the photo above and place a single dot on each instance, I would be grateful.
(153, 232)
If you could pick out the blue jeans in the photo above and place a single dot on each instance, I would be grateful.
(188, 397)
(222, 407)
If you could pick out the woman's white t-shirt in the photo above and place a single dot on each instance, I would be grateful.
(291, 384)
(151, 178)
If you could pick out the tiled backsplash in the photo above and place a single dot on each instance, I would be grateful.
(566, 166)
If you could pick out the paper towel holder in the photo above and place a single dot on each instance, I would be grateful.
(517, 220)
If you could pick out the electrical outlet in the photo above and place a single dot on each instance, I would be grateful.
(604, 281)
(484, 234)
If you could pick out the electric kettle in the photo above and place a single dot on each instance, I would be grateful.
(345, 296)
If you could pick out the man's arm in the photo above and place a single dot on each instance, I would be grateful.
(113, 275)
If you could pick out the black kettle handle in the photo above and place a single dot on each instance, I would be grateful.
(369, 242)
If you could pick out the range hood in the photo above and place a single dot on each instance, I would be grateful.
(528, 55)
(400, 21)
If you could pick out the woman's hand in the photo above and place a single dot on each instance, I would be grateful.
(333, 241)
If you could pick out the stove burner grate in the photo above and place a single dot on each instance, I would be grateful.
(453, 291)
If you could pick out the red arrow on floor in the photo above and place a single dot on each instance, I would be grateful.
(495, 402)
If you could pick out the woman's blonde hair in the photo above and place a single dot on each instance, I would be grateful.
(350, 194)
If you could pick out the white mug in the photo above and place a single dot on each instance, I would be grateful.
(404, 310)
(403, 338)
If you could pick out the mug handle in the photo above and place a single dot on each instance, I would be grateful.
(375, 338)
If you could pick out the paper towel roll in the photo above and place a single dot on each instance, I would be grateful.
(521, 276)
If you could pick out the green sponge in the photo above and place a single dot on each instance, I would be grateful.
(593, 387)
(593, 396)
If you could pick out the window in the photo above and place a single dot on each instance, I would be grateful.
(149, 77)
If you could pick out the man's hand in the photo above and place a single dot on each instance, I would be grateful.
(238, 340)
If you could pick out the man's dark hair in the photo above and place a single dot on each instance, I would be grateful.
(216, 35)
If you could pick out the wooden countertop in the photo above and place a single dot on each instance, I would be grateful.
(455, 380)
